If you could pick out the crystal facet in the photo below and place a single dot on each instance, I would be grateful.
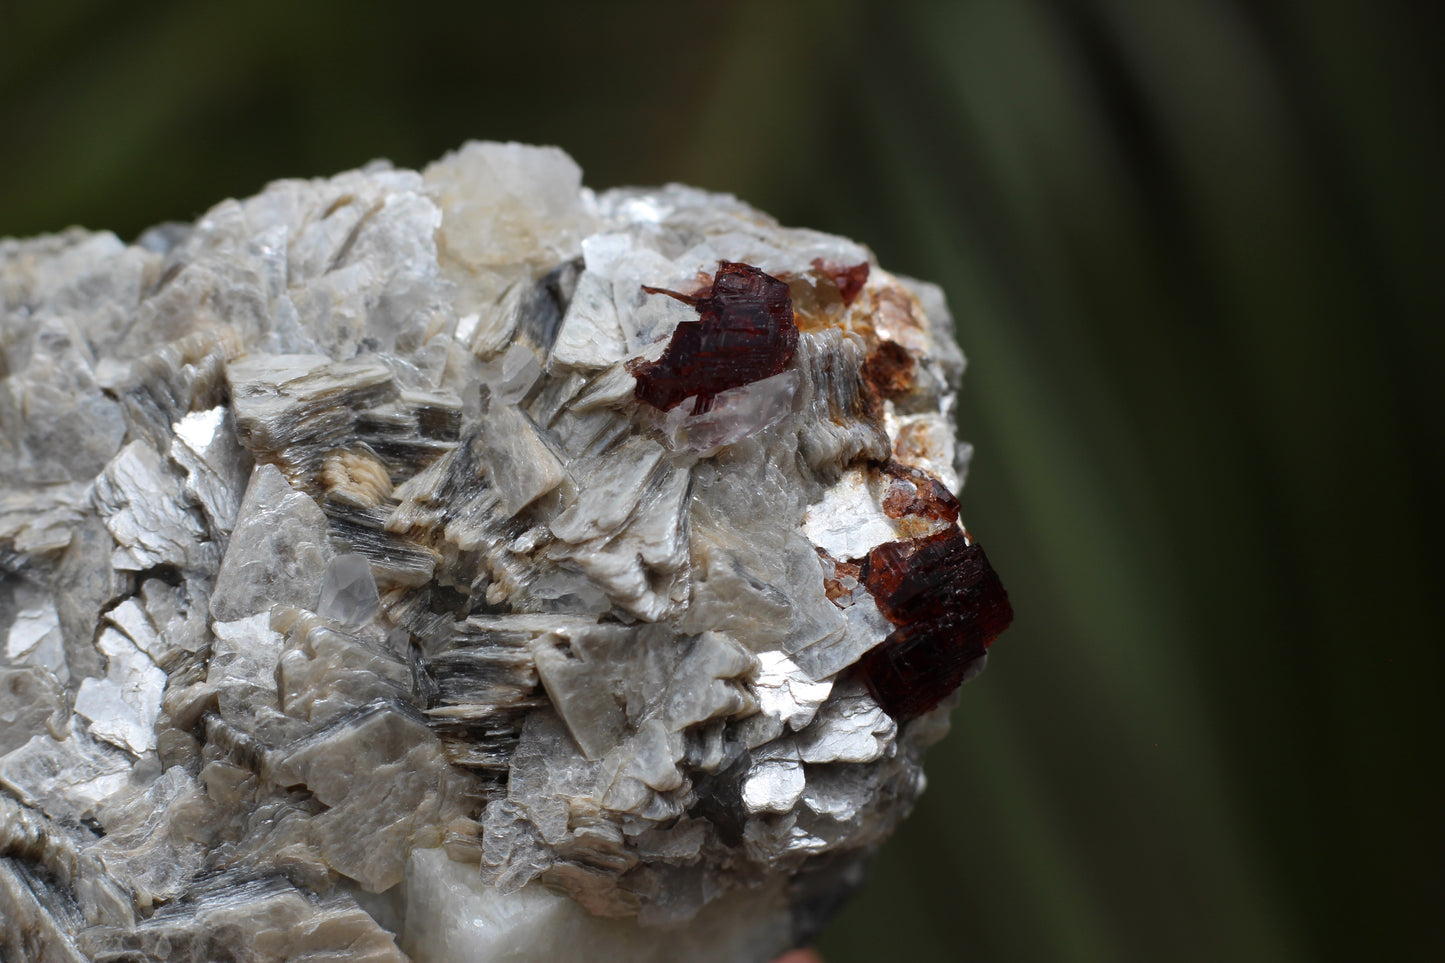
(348, 591)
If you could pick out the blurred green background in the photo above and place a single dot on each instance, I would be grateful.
(1193, 249)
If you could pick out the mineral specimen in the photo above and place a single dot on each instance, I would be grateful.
(462, 565)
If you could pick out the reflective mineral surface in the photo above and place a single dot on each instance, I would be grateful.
(460, 565)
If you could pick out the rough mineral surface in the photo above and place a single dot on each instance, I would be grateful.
(465, 566)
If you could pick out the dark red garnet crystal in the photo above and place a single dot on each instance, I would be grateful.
(744, 333)
(948, 605)
(918, 494)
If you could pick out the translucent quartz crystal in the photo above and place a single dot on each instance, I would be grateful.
(348, 591)
(461, 565)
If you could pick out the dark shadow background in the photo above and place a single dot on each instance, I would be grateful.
(1193, 248)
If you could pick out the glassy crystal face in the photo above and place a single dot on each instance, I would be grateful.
(460, 564)
(744, 333)
(949, 606)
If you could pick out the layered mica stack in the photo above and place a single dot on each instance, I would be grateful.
(462, 565)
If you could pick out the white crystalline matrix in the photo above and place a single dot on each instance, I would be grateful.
(465, 566)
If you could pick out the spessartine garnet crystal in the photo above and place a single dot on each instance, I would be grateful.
(459, 564)
(744, 333)
(949, 606)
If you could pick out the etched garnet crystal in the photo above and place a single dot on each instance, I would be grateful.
(744, 333)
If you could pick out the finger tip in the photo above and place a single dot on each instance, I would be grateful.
(800, 956)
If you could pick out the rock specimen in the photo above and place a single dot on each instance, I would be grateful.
(462, 565)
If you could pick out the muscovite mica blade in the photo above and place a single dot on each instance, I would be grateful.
(462, 565)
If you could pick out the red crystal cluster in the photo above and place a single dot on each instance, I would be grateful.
(949, 606)
(744, 333)
(946, 601)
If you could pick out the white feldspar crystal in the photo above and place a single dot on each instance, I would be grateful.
(356, 605)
